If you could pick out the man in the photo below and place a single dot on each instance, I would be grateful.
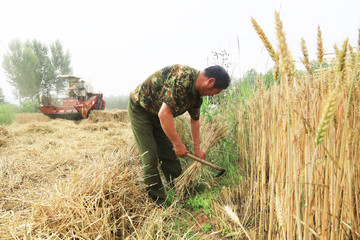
(153, 105)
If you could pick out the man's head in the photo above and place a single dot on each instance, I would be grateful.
(212, 80)
(222, 78)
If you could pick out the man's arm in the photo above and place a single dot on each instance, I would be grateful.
(195, 133)
(168, 125)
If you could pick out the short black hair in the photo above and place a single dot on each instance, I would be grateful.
(222, 78)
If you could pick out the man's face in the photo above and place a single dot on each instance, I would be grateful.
(210, 91)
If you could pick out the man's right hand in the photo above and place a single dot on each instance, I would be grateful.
(181, 150)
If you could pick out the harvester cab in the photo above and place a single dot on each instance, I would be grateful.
(78, 88)
(79, 101)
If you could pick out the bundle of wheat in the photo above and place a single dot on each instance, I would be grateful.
(210, 134)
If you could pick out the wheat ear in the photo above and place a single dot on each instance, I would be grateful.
(265, 40)
(305, 52)
(280, 214)
(320, 49)
(341, 62)
(326, 117)
(342, 54)
(337, 51)
(274, 56)
(279, 211)
(234, 218)
(287, 64)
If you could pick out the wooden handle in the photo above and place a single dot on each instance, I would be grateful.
(205, 162)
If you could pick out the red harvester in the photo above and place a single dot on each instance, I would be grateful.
(77, 105)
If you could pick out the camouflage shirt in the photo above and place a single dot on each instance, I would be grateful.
(173, 85)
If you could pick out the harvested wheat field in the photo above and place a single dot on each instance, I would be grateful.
(63, 179)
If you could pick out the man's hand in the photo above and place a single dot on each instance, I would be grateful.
(181, 150)
(200, 154)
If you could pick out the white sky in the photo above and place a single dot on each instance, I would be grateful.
(117, 44)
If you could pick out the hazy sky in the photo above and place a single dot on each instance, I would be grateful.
(116, 44)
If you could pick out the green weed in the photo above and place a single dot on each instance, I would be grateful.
(7, 113)
(207, 228)
(200, 203)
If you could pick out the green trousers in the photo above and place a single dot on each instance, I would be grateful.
(155, 149)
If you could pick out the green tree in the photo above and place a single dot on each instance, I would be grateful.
(116, 102)
(44, 71)
(7, 113)
(61, 62)
(20, 67)
(12, 66)
(314, 65)
(32, 70)
(250, 77)
(268, 78)
(29, 76)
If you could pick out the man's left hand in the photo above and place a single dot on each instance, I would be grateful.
(200, 154)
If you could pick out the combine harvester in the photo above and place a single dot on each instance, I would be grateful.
(77, 105)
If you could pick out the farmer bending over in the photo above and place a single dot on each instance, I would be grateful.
(153, 105)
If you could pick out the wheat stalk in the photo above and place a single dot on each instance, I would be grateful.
(288, 67)
(212, 133)
(326, 117)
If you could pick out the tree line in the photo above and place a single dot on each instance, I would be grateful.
(33, 68)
